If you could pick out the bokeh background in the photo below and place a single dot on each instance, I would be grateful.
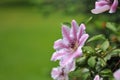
(28, 29)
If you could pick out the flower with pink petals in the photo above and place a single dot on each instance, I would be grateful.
(69, 48)
(105, 5)
(59, 73)
(97, 77)
(117, 74)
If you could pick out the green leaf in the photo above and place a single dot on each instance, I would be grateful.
(92, 61)
(102, 62)
(111, 26)
(97, 37)
(105, 45)
(88, 50)
(82, 61)
(78, 74)
(106, 73)
(115, 52)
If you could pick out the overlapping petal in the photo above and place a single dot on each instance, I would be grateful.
(69, 59)
(59, 54)
(59, 44)
(101, 9)
(105, 5)
(114, 6)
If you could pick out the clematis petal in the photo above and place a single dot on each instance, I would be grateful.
(69, 58)
(71, 67)
(55, 73)
(81, 31)
(77, 53)
(101, 9)
(58, 55)
(117, 74)
(66, 60)
(66, 33)
(83, 39)
(59, 44)
(73, 32)
(101, 3)
(59, 73)
(97, 77)
(114, 6)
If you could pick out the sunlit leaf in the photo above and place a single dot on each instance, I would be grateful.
(102, 62)
(92, 61)
(97, 37)
(82, 61)
(111, 26)
(88, 50)
(115, 52)
(105, 45)
(106, 73)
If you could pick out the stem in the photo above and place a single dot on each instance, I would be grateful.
(116, 65)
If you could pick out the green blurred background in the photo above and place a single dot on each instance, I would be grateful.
(28, 29)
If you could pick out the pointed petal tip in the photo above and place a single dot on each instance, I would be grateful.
(87, 35)
(73, 20)
(114, 6)
(94, 12)
(83, 26)
(53, 58)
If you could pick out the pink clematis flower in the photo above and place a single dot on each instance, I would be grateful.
(105, 5)
(97, 77)
(117, 75)
(61, 73)
(69, 48)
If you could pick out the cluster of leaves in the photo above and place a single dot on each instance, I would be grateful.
(103, 58)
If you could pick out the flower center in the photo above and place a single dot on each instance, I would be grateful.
(74, 46)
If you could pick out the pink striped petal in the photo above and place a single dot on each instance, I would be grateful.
(101, 3)
(77, 53)
(58, 55)
(117, 75)
(97, 77)
(71, 67)
(114, 6)
(73, 32)
(83, 39)
(81, 31)
(67, 59)
(55, 73)
(101, 9)
(66, 33)
(59, 44)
